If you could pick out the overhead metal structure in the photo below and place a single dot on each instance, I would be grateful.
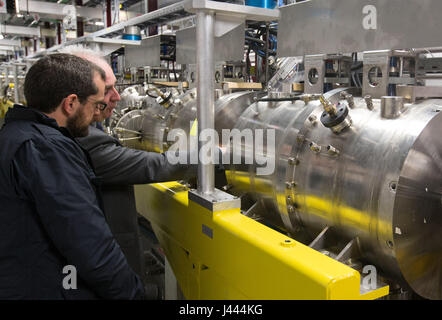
(19, 30)
(56, 10)
(166, 14)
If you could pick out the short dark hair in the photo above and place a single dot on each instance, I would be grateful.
(55, 76)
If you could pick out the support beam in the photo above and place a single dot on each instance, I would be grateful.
(7, 48)
(205, 35)
(152, 5)
(16, 95)
(52, 33)
(207, 27)
(80, 23)
(55, 10)
(112, 12)
(7, 42)
(17, 30)
(58, 37)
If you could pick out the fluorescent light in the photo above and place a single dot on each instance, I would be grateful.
(99, 23)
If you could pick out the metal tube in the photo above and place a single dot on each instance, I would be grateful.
(16, 98)
(427, 50)
(127, 130)
(7, 75)
(129, 139)
(205, 23)
(267, 53)
(401, 67)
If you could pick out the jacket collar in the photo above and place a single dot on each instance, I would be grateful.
(19, 112)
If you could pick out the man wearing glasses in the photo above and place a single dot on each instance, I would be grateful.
(50, 216)
(120, 168)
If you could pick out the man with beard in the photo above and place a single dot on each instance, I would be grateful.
(54, 240)
(120, 168)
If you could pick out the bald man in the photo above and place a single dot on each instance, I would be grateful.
(119, 168)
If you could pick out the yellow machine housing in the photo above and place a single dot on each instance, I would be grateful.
(226, 255)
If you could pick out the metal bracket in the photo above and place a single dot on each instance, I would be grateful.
(216, 201)
(225, 23)
(413, 93)
(376, 63)
(319, 242)
(314, 74)
(232, 10)
(351, 250)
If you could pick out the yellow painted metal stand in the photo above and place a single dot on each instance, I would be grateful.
(226, 255)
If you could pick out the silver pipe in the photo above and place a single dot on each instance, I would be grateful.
(129, 139)
(127, 130)
(427, 50)
(267, 53)
(401, 67)
(16, 98)
(205, 22)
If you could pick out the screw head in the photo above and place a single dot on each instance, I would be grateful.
(293, 161)
(290, 184)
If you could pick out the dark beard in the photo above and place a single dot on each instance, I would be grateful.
(76, 126)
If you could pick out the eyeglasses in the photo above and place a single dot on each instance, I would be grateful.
(101, 106)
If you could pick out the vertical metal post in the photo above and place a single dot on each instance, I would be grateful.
(7, 75)
(339, 69)
(115, 12)
(205, 24)
(16, 84)
(267, 53)
(47, 39)
(152, 5)
(63, 33)
(401, 67)
(108, 13)
(58, 28)
(80, 25)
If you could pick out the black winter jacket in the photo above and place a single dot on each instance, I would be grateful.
(50, 217)
(119, 168)
(116, 164)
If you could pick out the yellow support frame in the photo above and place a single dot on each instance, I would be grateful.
(226, 255)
